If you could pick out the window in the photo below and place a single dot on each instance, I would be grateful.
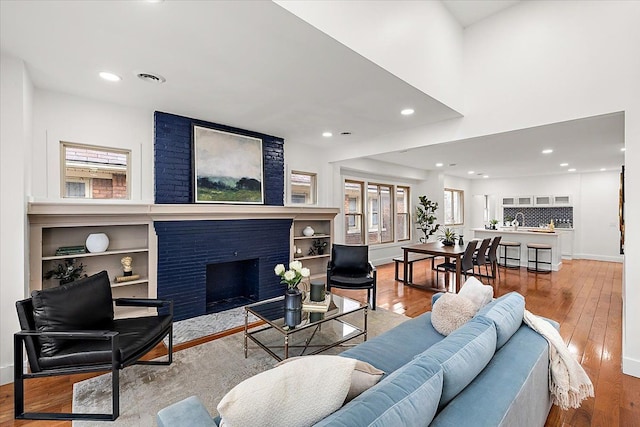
(353, 198)
(303, 188)
(453, 207)
(381, 218)
(402, 214)
(380, 213)
(94, 173)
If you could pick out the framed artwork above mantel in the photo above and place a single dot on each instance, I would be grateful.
(227, 168)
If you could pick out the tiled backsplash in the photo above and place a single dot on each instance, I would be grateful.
(533, 217)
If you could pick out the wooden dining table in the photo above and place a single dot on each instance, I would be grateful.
(436, 249)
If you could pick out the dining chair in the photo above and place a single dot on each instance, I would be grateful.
(466, 262)
(480, 258)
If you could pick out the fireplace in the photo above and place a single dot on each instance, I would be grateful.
(231, 284)
(193, 255)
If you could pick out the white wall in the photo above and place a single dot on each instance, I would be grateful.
(60, 117)
(15, 133)
(594, 201)
(598, 233)
(546, 62)
(307, 158)
(419, 42)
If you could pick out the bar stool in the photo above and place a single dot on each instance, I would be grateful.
(538, 247)
(505, 245)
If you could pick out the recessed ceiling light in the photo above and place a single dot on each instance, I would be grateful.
(623, 149)
(407, 111)
(485, 176)
(439, 165)
(564, 164)
(547, 151)
(110, 76)
(571, 170)
(603, 169)
(471, 172)
(327, 134)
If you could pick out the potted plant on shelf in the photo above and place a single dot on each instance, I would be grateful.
(319, 245)
(493, 223)
(425, 217)
(66, 273)
(448, 237)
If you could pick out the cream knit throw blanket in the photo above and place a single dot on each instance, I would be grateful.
(568, 382)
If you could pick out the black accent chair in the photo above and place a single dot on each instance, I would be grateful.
(349, 268)
(71, 329)
(466, 263)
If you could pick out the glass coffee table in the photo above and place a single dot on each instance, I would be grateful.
(316, 332)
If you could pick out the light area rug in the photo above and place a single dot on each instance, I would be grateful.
(208, 324)
(208, 371)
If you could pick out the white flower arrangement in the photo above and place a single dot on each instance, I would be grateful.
(294, 275)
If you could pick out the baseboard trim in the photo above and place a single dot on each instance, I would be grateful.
(631, 367)
(6, 374)
(608, 258)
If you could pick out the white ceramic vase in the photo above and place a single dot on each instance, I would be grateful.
(308, 231)
(97, 242)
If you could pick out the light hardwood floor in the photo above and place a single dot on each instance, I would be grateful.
(584, 297)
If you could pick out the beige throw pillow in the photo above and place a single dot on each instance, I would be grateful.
(478, 293)
(295, 394)
(450, 312)
(364, 375)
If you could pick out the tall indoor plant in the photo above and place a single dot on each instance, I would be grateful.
(425, 217)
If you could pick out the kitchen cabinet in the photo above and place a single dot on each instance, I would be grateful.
(542, 201)
(562, 200)
(508, 201)
(524, 201)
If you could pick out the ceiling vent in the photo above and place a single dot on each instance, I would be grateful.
(151, 78)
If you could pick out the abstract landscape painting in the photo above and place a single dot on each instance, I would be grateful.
(228, 167)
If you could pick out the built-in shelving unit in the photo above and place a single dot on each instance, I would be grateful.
(323, 231)
(129, 235)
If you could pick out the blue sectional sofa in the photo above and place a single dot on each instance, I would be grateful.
(492, 371)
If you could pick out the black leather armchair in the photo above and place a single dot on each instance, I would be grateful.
(349, 268)
(71, 329)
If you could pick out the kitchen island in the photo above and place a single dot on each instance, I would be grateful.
(525, 236)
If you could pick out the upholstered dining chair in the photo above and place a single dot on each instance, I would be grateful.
(466, 262)
(71, 329)
(349, 268)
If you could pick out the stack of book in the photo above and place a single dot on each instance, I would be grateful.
(319, 306)
(71, 250)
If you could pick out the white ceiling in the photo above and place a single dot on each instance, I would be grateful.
(254, 65)
(468, 12)
(588, 145)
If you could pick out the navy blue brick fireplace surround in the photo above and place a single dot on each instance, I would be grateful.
(187, 249)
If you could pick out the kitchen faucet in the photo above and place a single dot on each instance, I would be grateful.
(516, 220)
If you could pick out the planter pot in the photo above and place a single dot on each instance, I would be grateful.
(308, 231)
(447, 243)
(98, 242)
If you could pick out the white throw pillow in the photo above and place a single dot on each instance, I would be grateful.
(450, 312)
(296, 394)
(364, 376)
(478, 293)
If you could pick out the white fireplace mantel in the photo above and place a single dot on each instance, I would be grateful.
(49, 211)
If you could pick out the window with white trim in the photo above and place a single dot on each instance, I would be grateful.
(303, 188)
(94, 172)
(453, 207)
